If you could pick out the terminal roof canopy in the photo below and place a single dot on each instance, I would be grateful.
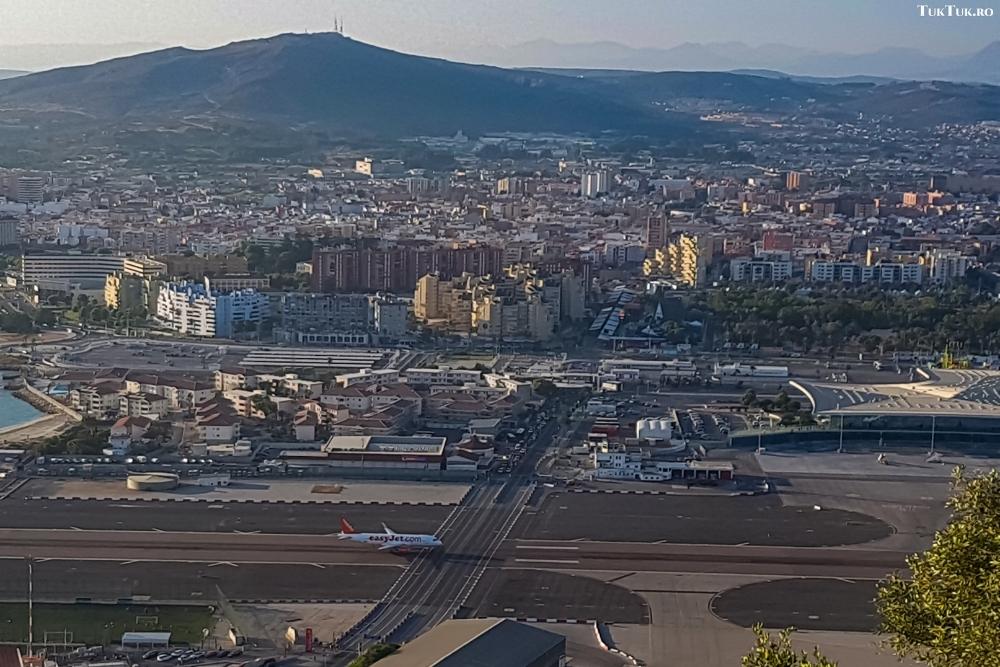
(970, 393)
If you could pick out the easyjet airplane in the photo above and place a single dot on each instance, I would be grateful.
(389, 540)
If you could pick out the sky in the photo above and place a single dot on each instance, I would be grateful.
(455, 28)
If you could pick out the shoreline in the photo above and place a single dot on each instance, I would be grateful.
(26, 396)
(50, 422)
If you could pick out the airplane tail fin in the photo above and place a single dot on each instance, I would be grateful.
(346, 527)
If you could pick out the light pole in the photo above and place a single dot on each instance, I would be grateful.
(31, 592)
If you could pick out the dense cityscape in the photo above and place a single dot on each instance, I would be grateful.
(512, 392)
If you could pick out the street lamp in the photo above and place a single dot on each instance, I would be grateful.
(31, 609)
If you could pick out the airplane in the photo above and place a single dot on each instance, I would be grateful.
(389, 540)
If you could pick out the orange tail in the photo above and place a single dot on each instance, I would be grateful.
(345, 526)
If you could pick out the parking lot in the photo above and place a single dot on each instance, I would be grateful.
(152, 355)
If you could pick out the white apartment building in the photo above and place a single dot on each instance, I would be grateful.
(593, 183)
(441, 376)
(853, 272)
(195, 310)
(770, 267)
(947, 265)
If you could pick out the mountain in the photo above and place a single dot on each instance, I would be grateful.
(331, 82)
(295, 94)
(11, 73)
(982, 66)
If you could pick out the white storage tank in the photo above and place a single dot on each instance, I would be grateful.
(653, 429)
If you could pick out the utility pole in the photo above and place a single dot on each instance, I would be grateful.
(31, 609)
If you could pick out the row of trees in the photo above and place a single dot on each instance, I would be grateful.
(832, 318)
(947, 612)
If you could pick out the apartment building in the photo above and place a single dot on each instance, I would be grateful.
(196, 310)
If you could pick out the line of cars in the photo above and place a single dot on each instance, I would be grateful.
(518, 442)
(185, 656)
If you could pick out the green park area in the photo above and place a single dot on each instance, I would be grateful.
(94, 624)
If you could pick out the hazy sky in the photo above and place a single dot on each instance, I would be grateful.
(455, 27)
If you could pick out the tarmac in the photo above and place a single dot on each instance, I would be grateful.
(260, 491)
(900, 465)
(757, 520)
(806, 604)
(556, 596)
(683, 630)
(17, 512)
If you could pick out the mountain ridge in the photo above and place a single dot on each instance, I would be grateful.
(330, 80)
(982, 65)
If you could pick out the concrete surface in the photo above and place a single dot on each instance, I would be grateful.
(259, 490)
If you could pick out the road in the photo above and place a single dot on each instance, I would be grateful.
(436, 585)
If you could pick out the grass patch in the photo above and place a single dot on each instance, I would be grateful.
(104, 623)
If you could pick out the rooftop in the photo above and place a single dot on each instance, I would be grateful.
(965, 393)
(385, 444)
(487, 642)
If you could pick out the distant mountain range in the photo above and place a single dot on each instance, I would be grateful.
(330, 81)
(331, 84)
(897, 63)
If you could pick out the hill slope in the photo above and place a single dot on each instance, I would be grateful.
(329, 81)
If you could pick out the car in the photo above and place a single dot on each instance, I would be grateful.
(149, 655)
(164, 657)
(178, 652)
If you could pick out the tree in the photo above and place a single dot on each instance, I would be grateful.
(946, 614)
(264, 405)
(374, 654)
(749, 398)
(778, 652)
(545, 388)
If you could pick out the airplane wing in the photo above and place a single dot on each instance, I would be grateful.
(389, 547)
(388, 530)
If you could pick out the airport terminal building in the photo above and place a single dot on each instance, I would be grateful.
(942, 408)
(377, 457)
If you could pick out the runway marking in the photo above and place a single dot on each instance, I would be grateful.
(254, 532)
(542, 560)
(71, 559)
(322, 567)
(528, 546)
(224, 562)
(158, 530)
(75, 528)
(130, 562)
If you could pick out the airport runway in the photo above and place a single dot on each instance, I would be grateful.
(189, 547)
(701, 558)
(215, 517)
(532, 554)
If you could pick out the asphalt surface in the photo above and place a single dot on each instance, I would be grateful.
(702, 558)
(806, 604)
(554, 595)
(216, 517)
(67, 580)
(189, 547)
(759, 520)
